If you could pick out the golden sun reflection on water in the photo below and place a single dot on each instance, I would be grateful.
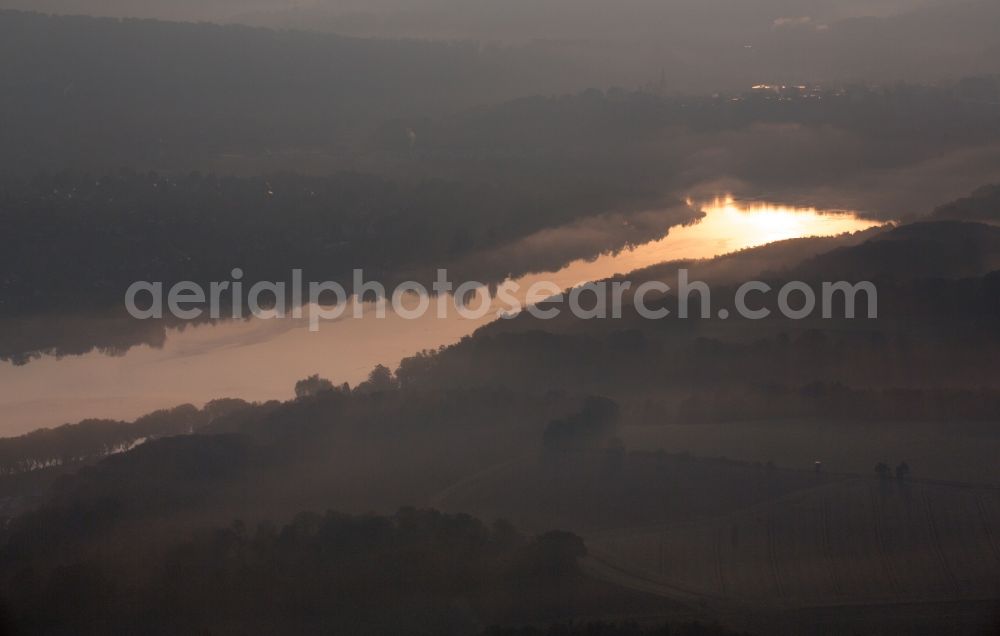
(210, 361)
(730, 225)
(727, 226)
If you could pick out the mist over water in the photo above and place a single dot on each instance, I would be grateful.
(258, 360)
(691, 317)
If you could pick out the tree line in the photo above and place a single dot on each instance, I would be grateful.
(91, 440)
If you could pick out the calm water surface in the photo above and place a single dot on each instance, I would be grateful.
(261, 360)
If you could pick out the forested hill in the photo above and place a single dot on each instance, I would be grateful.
(74, 84)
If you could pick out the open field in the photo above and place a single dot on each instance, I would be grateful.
(768, 549)
(600, 491)
(954, 451)
(854, 542)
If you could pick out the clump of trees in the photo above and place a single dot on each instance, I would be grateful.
(380, 379)
(595, 423)
(884, 472)
(415, 571)
(312, 386)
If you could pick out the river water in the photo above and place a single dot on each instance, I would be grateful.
(262, 359)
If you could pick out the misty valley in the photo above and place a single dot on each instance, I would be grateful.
(717, 353)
